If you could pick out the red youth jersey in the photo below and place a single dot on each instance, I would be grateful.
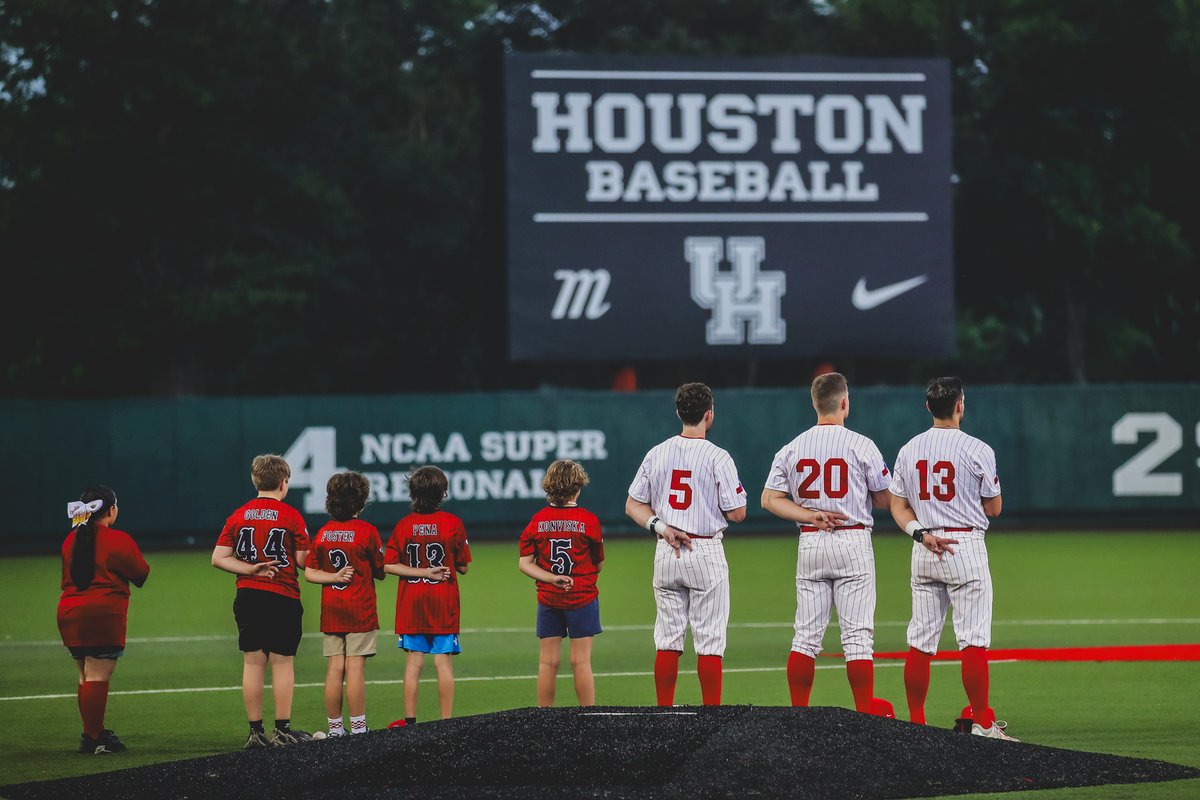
(266, 529)
(96, 616)
(423, 541)
(565, 540)
(348, 608)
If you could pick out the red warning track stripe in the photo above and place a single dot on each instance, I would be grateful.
(1146, 652)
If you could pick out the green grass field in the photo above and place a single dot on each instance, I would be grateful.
(176, 693)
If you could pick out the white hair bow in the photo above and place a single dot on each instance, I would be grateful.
(80, 512)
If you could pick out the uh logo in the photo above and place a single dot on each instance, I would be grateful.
(745, 300)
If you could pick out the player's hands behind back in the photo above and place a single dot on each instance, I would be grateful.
(438, 573)
(677, 539)
(264, 569)
(936, 544)
(827, 520)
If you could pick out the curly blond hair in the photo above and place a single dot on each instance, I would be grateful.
(564, 479)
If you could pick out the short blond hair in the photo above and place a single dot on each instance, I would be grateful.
(828, 391)
(269, 471)
(564, 479)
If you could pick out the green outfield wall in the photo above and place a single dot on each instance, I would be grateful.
(1066, 454)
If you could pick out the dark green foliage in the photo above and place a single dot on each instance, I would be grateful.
(306, 197)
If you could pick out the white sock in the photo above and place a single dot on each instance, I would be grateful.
(358, 724)
(335, 727)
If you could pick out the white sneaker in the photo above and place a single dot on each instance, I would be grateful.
(996, 731)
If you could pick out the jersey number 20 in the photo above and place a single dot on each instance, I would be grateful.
(836, 473)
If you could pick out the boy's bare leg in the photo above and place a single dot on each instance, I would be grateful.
(581, 665)
(254, 673)
(356, 685)
(283, 684)
(412, 677)
(548, 658)
(445, 678)
(333, 687)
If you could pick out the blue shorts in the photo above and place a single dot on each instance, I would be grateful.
(578, 623)
(434, 644)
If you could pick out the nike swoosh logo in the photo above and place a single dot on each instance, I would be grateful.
(865, 299)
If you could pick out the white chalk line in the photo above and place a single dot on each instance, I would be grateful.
(466, 679)
(224, 637)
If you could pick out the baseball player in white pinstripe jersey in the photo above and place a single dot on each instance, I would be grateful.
(686, 492)
(836, 470)
(946, 481)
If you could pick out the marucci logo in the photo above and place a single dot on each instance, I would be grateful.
(582, 294)
(746, 300)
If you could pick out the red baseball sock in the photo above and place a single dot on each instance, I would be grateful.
(666, 673)
(93, 697)
(975, 681)
(861, 674)
(800, 672)
(916, 683)
(709, 670)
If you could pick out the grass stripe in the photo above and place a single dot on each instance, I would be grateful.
(465, 679)
(223, 637)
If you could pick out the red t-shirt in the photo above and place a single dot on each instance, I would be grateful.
(348, 608)
(96, 616)
(428, 540)
(565, 540)
(266, 529)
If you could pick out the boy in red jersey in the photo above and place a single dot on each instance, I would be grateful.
(347, 559)
(428, 549)
(562, 548)
(99, 563)
(265, 543)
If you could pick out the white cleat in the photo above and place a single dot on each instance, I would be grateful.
(996, 731)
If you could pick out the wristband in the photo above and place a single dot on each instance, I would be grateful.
(915, 530)
(656, 526)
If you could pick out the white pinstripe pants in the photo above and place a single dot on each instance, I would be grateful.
(692, 590)
(835, 570)
(962, 581)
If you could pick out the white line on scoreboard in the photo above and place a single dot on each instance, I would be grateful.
(782, 77)
(870, 216)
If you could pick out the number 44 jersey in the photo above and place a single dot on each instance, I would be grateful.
(425, 606)
(266, 529)
(565, 540)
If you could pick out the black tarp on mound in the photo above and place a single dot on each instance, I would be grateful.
(625, 752)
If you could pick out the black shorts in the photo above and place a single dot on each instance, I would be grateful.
(107, 652)
(268, 622)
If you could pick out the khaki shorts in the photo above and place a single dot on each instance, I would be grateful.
(350, 644)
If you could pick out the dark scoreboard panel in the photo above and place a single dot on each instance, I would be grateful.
(728, 208)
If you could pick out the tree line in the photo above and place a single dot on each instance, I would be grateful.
(305, 196)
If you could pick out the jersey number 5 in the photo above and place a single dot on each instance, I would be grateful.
(681, 490)
(561, 562)
(942, 476)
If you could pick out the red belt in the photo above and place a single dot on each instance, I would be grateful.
(811, 528)
(698, 536)
(958, 530)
